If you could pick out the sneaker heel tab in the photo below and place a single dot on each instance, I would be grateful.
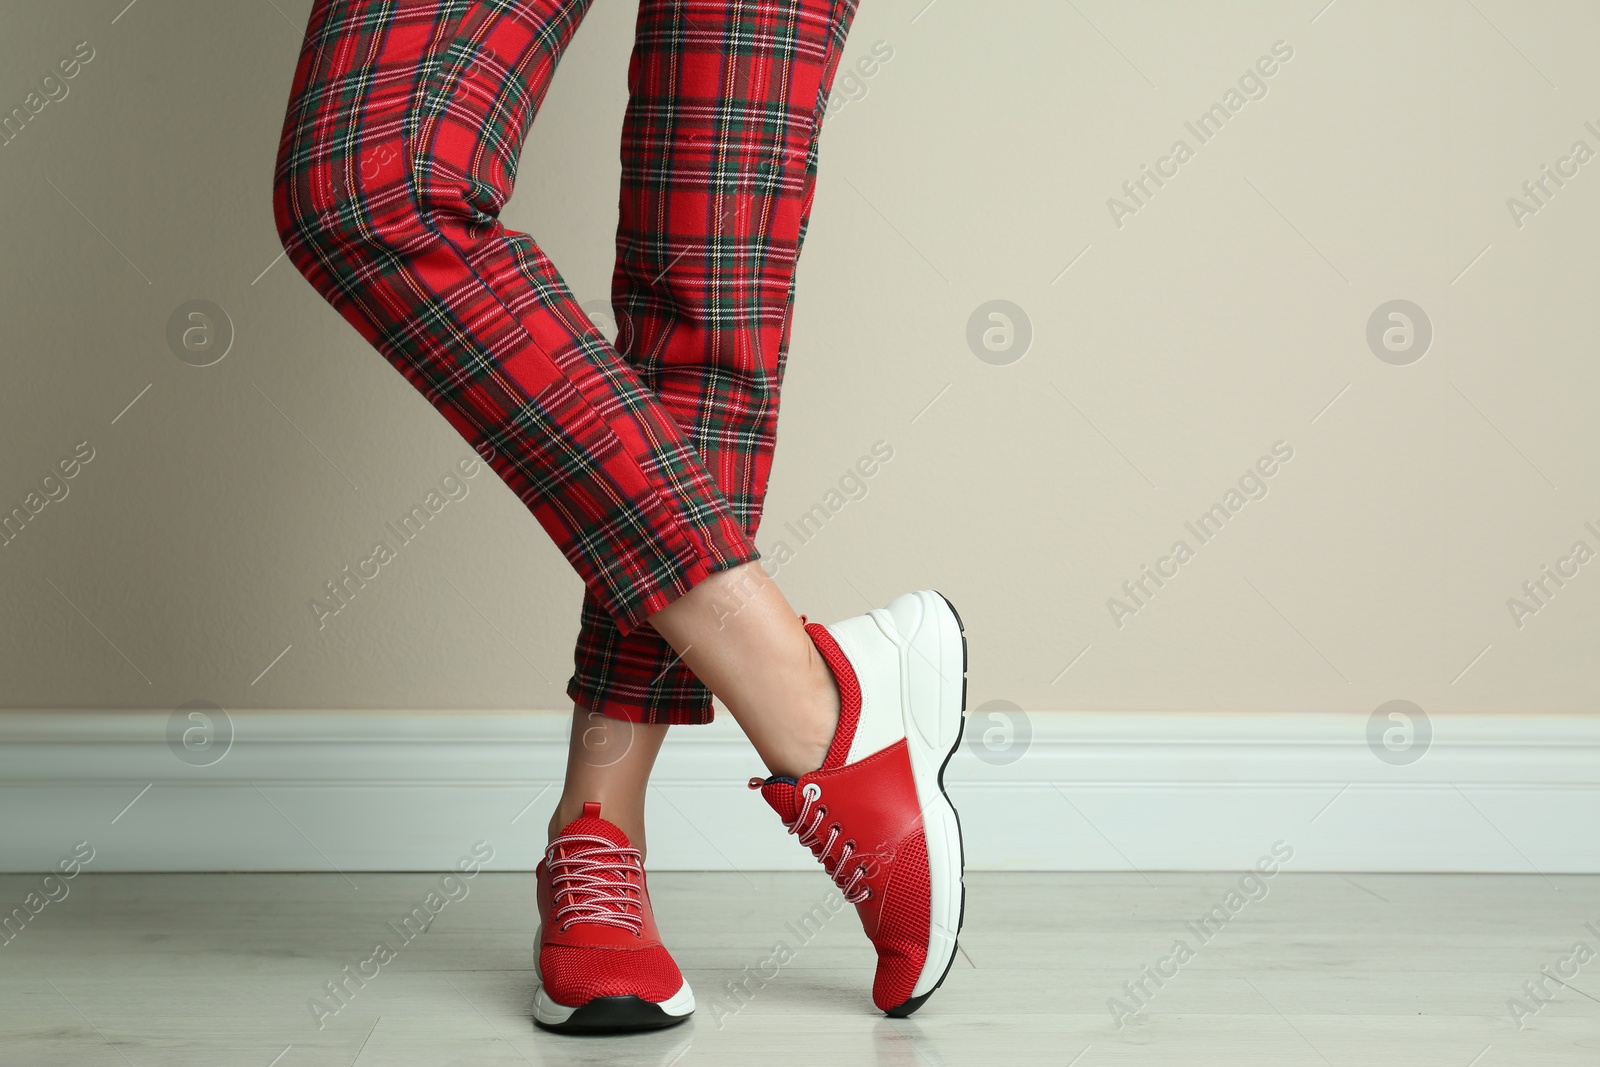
(908, 612)
(891, 627)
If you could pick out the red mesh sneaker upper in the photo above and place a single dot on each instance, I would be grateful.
(598, 936)
(902, 939)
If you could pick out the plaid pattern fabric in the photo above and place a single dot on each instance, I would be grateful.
(646, 461)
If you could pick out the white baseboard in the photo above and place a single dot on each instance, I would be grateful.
(1091, 792)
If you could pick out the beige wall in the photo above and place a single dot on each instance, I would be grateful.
(1226, 314)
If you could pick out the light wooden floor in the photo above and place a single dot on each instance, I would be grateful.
(177, 970)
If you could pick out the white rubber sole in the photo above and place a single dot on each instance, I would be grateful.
(928, 633)
(613, 1013)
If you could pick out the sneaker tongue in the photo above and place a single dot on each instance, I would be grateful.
(583, 894)
(596, 828)
(784, 796)
(590, 824)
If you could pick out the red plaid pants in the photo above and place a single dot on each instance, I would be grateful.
(647, 461)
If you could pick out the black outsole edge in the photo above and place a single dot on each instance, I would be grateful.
(615, 1015)
(900, 1011)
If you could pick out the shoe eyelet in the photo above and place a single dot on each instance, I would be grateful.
(811, 790)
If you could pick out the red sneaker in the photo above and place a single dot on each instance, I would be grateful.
(875, 813)
(601, 964)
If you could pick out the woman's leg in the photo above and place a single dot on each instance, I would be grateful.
(399, 148)
(741, 638)
(719, 155)
(608, 763)
(719, 162)
(739, 635)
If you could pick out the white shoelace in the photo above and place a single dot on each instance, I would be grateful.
(809, 836)
(587, 887)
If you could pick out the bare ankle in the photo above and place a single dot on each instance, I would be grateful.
(814, 730)
(830, 703)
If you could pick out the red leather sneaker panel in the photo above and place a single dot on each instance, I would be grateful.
(877, 792)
